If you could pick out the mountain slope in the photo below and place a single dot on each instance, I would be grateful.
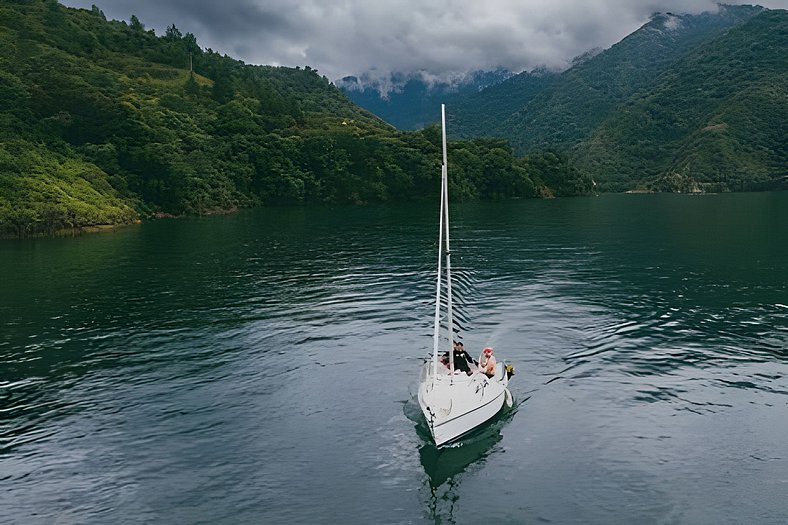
(102, 122)
(411, 102)
(716, 119)
(479, 114)
(569, 108)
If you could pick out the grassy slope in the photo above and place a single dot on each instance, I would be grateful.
(55, 191)
(74, 87)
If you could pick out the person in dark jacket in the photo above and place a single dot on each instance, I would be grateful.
(462, 359)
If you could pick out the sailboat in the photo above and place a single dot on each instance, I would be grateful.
(455, 402)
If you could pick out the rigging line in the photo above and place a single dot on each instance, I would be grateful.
(436, 333)
(445, 200)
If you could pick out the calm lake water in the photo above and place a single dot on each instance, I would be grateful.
(262, 367)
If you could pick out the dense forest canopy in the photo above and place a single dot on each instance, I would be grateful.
(103, 121)
(685, 103)
(715, 121)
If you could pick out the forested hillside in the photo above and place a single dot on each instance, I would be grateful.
(566, 110)
(482, 114)
(686, 103)
(103, 121)
(716, 120)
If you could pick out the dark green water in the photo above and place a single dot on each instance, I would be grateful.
(262, 367)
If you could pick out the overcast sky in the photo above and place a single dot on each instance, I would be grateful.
(441, 37)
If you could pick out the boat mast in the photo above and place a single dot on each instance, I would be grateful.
(436, 333)
(445, 206)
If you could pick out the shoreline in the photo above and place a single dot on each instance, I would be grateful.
(76, 231)
(97, 228)
(72, 232)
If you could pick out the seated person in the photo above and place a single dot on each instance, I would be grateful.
(487, 362)
(462, 359)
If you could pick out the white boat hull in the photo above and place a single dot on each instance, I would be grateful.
(456, 405)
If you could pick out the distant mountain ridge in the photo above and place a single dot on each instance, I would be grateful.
(685, 103)
(409, 102)
(580, 98)
(688, 102)
(714, 121)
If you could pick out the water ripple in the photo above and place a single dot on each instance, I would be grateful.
(261, 367)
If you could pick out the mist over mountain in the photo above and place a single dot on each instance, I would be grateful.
(412, 101)
(714, 121)
(688, 102)
(104, 121)
(582, 93)
(443, 37)
(581, 97)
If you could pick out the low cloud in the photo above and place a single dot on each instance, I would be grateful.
(443, 38)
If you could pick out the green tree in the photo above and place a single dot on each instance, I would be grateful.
(172, 33)
(136, 25)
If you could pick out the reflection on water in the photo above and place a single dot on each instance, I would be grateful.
(254, 368)
(444, 466)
